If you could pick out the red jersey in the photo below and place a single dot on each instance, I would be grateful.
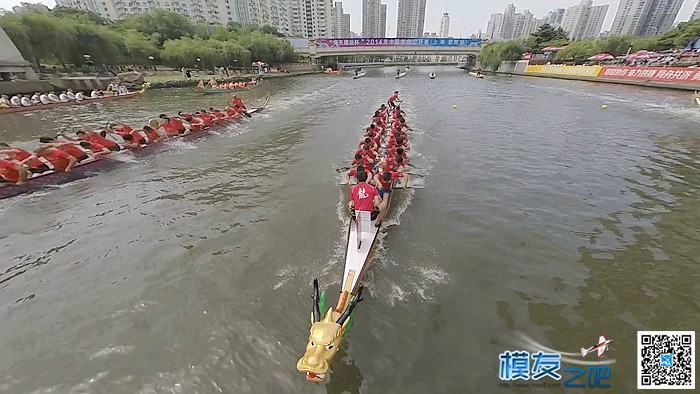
(94, 138)
(208, 119)
(58, 158)
(368, 170)
(21, 155)
(74, 151)
(123, 129)
(363, 195)
(387, 185)
(238, 102)
(8, 171)
(392, 165)
(138, 137)
(151, 135)
(393, 97)
(94, 148)
(368, 153)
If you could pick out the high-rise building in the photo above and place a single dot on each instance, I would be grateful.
(660, 18)
(373, 18)
(445, 25)
(410, 19)
(555, 18)
(696, 12)
(382, 21)
(584, 20)
(493, 30)
(341, 21)
(645, 17)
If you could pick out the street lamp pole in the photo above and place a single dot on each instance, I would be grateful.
(460, 32)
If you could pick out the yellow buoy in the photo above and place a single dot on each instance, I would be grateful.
(348, 103)
(454, 106)
(604, 106)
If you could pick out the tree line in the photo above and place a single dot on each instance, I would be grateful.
(494, 53)
(65, 35)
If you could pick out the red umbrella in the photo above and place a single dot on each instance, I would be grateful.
(526, 56)
(552, 48)
(602, 56)
(643, 54)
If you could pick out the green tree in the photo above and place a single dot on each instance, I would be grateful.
(170, 25)
(546, 34)
(81, 16)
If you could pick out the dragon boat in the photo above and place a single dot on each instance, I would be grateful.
(330, 327)
(94, 164)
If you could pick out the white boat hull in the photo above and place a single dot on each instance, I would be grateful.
(403, 74)
(357, 259)
(360, 75)
(475, 75)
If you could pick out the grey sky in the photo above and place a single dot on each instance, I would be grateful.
(470, 15)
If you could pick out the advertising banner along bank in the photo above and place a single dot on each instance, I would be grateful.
(581, 71)
(656, 74)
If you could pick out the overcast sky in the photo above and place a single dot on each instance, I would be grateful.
(470, 15)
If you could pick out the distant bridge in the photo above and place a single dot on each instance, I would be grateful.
(324, 47)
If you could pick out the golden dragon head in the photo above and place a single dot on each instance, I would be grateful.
(325, 337)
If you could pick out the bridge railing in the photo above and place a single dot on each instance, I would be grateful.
(397, 42)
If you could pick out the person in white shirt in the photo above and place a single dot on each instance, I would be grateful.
(4, 101)
(25, 101)
(123, 90)
(53, 98)
(14, 101)
(35, 98)
(70, 94)
(79, 96)
(44, 98)
(94, 94)
(63, 97)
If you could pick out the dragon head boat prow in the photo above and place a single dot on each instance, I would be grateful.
(325, 336)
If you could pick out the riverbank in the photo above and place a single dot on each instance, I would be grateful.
(676, 78)
(157, 82)
(648, 84)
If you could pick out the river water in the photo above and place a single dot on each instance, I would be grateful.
(190, 270)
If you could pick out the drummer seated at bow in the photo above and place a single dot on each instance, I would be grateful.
(364, 197)
(384, 181)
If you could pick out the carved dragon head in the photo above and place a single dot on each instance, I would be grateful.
(325, 338)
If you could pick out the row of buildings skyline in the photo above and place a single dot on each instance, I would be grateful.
(585, 20)
(301, 18)
(326, 18)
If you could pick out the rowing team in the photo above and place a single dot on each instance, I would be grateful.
(38, 98)
(61, 155)
(379, 161)
(232, 85)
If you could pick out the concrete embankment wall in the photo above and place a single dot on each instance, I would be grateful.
(680, 78)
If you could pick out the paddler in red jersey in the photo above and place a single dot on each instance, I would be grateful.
(90, 136)
(12, 172)
(22, 157)
(61, 161)
(68, 147)
(364, 197)
(173, 126)
(384, 181)
(219, 114)
(394, 100)
(237, 103)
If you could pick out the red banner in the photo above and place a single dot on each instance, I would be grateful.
(656, 74)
